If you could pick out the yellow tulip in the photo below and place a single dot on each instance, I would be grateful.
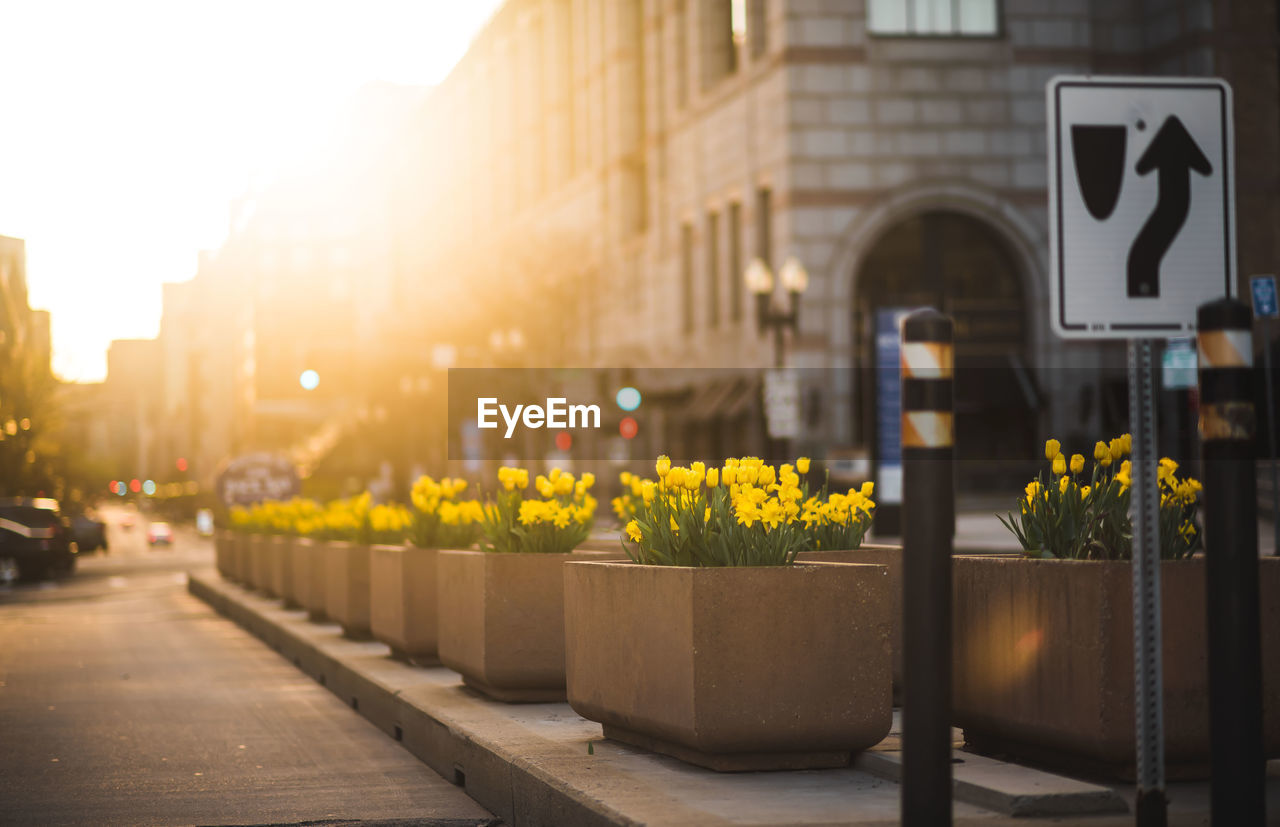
(802, 465)
(1052, 448)
(663, 466)
(1077, 463)
(1059, 465)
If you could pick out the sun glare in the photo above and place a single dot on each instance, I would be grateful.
(131, 128)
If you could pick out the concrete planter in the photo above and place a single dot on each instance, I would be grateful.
(259, 574)
(240, 561)
(402, 612)
(884, 555)
(309, 575)
(501, 621)
(734, 669)
(269, 553)
(1043, 661)
(281, 561)
(223, 553)
(347, 587)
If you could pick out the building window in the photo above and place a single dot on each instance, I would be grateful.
(713, 269)
(680, 20)
(735, 262)
(756, 27)
(719, 41)
(686, 275)
(972, 18)
(764, 225)
(563, 50)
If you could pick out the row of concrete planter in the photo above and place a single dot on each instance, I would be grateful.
(776, 668)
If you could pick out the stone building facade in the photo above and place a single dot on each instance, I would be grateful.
(601, 171)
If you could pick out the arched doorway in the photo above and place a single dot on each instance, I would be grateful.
(961, 266)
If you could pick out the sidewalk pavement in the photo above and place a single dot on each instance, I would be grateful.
(542, 764)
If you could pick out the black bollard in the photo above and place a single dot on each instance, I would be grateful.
(928, 504)
(1230, 496)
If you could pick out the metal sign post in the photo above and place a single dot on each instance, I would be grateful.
(1141, 233)
(1145, 505)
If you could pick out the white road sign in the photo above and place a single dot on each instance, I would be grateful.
(1141, 204)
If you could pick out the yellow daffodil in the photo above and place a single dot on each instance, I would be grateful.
(1102, 453)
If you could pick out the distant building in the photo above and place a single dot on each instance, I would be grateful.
(130, 397)
(27, 386)
(22, 330)
(601, 173)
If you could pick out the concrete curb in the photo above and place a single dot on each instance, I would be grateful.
(529, 763)
(1008, 788)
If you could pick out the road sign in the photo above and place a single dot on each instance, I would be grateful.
(888, 354)
(782, 403)
(1264, 297)
(1141, 204)
(253, 478)
(1178, 364)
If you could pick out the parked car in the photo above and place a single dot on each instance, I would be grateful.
(159, 534)
(90, 534)
(35, 540)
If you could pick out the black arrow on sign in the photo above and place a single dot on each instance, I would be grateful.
(1175, 153)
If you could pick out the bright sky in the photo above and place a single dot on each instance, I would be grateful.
(127, 128)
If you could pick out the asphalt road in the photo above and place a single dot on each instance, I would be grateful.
(124, 700)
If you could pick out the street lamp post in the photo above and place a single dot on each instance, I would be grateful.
(771, 314)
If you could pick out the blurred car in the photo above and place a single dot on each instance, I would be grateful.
(159, 534)
(35, 540)
(90, 534)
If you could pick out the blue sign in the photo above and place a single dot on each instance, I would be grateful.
(1264, 297)
(889, 404)
(1178, 364)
